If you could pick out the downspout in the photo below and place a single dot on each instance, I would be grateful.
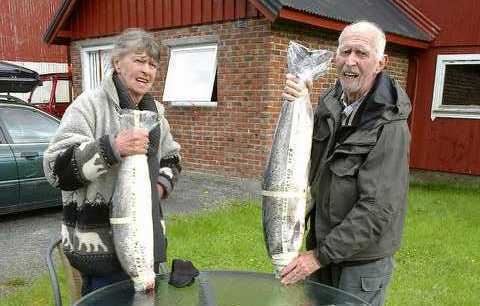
(70, 72)
(411, 121)
(414, 92)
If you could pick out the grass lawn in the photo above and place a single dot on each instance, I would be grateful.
(439, 263)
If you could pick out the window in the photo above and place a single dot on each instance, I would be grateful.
(25, 125)
(62, 92)
(42, 93)
(456, 92)
(191, 76)
(95, 64)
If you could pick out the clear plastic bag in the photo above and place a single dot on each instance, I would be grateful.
(285, 182)
(307, 64)
(131, 118)
(131, 212)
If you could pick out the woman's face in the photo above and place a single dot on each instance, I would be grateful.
(137, 72)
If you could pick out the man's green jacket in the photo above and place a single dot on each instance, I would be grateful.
(359, 175)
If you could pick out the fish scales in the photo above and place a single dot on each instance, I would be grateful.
(285, 181)
(131, 218)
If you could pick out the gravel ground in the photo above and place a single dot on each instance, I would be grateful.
(24, 237)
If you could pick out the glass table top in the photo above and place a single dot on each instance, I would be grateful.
(223, 288)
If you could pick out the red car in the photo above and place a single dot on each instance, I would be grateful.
(58, 101)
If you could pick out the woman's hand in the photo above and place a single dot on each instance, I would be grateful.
(132, 141)
(295, 88)
(161, 191)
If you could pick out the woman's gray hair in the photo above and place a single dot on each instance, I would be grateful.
(367, 26)
(137, 41)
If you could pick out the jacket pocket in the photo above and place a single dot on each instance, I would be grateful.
(371, 284)
(343, 188)
(348, 166)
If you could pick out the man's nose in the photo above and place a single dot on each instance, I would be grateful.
(351, 59)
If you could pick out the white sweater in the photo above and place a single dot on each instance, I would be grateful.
(82, 161)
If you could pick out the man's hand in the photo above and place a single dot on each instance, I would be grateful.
(132, 141)
(302, 266)
(295, 88)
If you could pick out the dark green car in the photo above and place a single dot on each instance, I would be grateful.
(24, 135)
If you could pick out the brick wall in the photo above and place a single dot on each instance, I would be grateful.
(76, 68)
(234, 138)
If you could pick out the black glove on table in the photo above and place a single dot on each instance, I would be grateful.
(183, 273)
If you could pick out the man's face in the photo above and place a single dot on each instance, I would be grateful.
(357, 63)
(137, 72)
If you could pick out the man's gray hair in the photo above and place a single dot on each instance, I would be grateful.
(367, 26)
(137, 41)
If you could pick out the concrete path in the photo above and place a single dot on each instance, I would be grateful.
(197, 191)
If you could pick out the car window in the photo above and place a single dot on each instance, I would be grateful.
(26, 125)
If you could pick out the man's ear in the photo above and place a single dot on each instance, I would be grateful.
(382, 63)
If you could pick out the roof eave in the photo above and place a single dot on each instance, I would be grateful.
(422, 21)
(55, 33)
(302, 17)
(269, 8)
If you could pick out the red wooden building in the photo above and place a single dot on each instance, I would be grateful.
(22, 24)
(445, 123)
(235, 55)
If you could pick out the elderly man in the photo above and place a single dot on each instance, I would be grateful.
(359, 171)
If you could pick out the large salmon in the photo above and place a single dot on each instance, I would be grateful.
(285, 181)
(131, 214)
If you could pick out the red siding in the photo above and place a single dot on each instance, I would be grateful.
(22, 23)
(445, 144)
(89, 19)
(457, 19)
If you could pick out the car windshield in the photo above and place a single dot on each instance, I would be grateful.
(26, 125)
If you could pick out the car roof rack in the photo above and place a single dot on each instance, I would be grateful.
(14, 78)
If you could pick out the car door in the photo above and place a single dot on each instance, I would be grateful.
(9, 187)
(29, 132)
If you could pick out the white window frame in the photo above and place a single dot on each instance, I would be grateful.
(168, 94)
(452, 111)
(86, 71)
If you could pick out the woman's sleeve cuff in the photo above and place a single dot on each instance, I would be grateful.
(109, 150)
(166, 183)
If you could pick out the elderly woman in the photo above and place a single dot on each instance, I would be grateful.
(83, 159)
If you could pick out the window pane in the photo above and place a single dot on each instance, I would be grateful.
(96, 66)
(462, 85)
(105, 56)
(93, 63)
(62, 93)
(42, 93)
(191, 74)
(28, 126)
